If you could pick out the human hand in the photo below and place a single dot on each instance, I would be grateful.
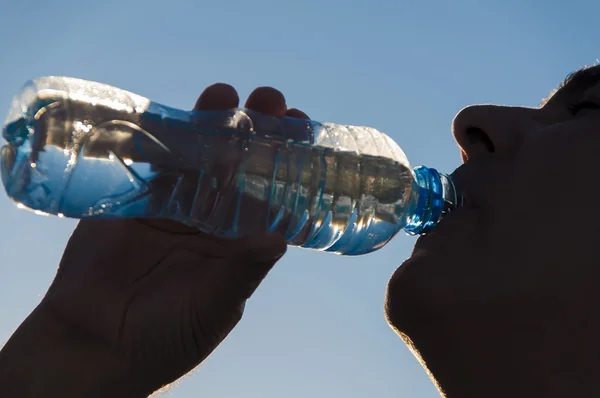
(136, 304)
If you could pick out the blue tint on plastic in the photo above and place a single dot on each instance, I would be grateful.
(83, 149)
(431, 201)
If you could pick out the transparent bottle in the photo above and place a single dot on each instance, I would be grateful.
(80, 149)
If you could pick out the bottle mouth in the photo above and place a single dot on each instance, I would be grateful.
(17, 153)
(14, 158)
(15, 133)
(437, 195)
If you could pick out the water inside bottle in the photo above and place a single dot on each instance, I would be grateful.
(92, 160)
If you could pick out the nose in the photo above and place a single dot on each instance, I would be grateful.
(489, 129)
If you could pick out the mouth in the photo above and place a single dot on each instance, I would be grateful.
(462, 228)
(454, 229)
(455, 225)
(460, 182)
(454, 218)
(471, 177)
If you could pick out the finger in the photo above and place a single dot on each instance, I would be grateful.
(296, 113)
(218, 96)
(268, 101)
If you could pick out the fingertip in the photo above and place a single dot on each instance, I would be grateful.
(268, 101)
(218, 96)
(296, 113)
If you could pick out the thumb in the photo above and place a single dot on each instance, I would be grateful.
(248, 264)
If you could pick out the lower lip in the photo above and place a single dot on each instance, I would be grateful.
(451, 225)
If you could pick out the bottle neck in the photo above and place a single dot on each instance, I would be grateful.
(436, 196)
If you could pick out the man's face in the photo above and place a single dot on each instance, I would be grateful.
(526, 248)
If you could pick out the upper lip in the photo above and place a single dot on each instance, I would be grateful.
(470, 179)
(460, 180)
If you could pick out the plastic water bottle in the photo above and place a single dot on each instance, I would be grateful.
(80, 149)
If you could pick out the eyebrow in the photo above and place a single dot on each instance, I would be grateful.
(579, 80)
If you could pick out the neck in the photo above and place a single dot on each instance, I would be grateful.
(535, 372)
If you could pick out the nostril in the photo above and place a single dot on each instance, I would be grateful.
(476, 136)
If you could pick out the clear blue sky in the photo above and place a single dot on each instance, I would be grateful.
(315, 328)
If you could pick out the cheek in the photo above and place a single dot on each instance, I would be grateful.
(555, 191)
(448, 265)
(557, 171)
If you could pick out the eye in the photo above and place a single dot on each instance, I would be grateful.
(578, 107)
